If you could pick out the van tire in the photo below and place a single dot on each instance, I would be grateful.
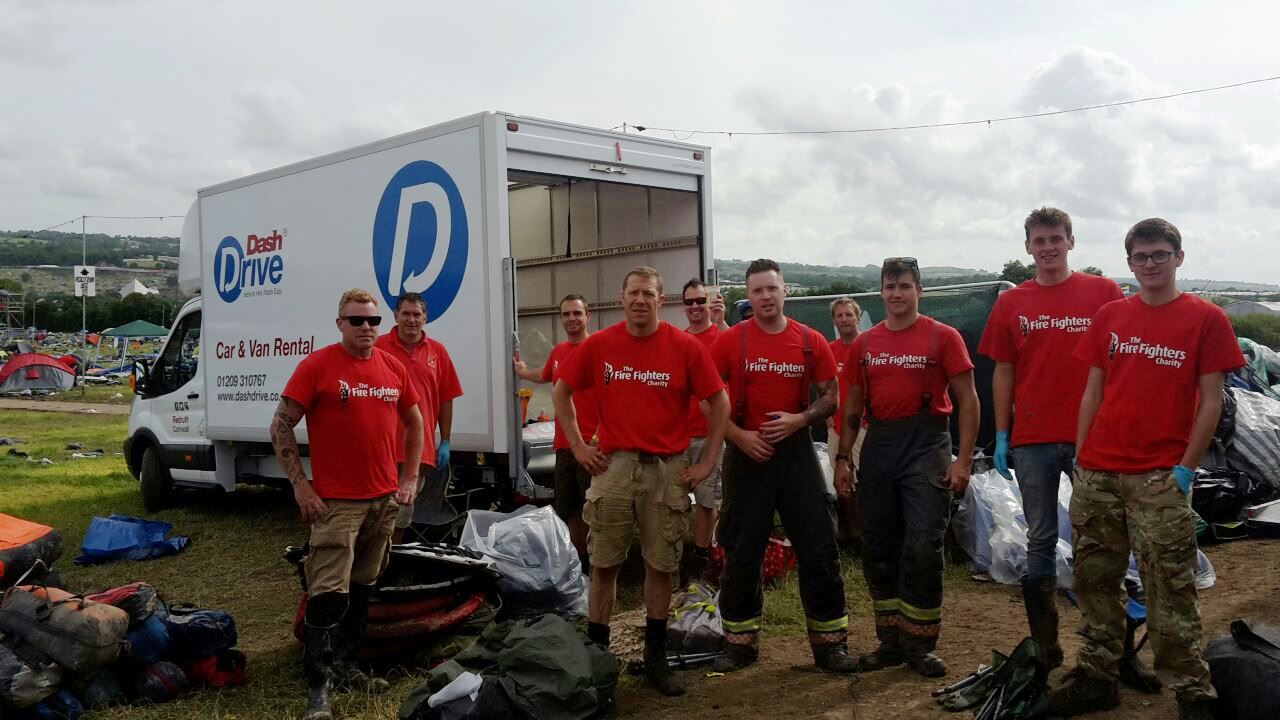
(154, 481)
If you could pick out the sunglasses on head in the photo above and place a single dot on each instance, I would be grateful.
(690, 302)
(358, 320)
(908, 261)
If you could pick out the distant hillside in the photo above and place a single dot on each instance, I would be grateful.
(732, 271)
(22, 247)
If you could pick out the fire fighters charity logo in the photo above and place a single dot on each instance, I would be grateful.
(1024, 325)
(344, 392)
(1159, 354)
(1113, 346)
(1045, 322)
(651, 378)
(608, 373)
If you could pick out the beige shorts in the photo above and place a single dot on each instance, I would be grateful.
(833, 447)
(350, 544)
(634, 495)
(709, 492)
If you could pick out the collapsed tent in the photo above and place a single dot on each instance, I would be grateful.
(34, 371)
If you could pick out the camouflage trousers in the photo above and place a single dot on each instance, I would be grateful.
(1110, 514)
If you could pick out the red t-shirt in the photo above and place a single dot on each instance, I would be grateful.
(774, 367)
(843, 352)
(698, 421)
(433, 376)
(352, 408)
(1153, 358)
(584, 403)
(643, 386)
(1037, 329)
(901, 365)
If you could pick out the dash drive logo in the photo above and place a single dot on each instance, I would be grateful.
(1045, 322)
(1160, 354)
(420, 237)
(252, 269)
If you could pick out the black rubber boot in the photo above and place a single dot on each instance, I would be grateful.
(658, 671)
(347, 674)
(1039, 597)
(735, 657)
(888, 655)
(928, 665)
(1083, 693)
(834, 658)
(317, 667)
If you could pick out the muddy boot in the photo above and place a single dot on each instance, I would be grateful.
(658, 672)
(736, 657)
(928, 665)
(1083, 693)
(833, 657)
(1195, 709)
(1039, 597)
(317, 667)
(347, 674)
(1135, 673)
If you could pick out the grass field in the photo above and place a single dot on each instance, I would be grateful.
(233, 563)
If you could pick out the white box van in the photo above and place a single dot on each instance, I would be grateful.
(493, 218)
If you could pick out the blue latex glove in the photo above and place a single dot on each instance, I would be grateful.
(442, 454)
(1184, 476)
(1002, 454)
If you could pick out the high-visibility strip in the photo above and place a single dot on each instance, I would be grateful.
(890, 605)
(921, 614)
(826, 626)
(741, 626)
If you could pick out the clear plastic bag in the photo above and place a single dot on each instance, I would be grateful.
(828, 472)
(532, 550)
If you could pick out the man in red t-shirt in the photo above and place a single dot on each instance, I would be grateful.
(436, 381)
(644, 373)
(571, 479)
(772, 364)
(1150, 406)
(899, 380)
(706, 320)
(1032, 335)
(846, 314)
(359, 404)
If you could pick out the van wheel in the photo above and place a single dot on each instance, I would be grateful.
(154, 481)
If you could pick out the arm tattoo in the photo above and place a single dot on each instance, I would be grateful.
(288, 414)
(825, 405)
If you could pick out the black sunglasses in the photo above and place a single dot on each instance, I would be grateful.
(690, 302)
(358, 320)
(908, 261)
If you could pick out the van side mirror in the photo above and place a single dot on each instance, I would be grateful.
(138, 377)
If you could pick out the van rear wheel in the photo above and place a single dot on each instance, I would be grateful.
(154, 481)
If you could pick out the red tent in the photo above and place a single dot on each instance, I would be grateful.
(34, 371)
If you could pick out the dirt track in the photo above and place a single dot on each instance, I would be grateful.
(978, 618)
(64, 406)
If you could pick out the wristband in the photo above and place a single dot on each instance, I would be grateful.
(842, 457)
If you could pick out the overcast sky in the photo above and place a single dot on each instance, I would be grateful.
(114, 107)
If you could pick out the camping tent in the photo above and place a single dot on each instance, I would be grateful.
(137, 328)
(34, 371)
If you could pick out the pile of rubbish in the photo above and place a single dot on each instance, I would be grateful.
(990, 526)
(62, 654)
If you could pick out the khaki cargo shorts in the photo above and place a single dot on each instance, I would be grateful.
(350, 544)
(709, 492)
(404, 513)
(638, 492)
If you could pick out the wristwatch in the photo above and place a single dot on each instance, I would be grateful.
(841, 457)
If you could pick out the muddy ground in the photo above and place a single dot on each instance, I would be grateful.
(978, 617)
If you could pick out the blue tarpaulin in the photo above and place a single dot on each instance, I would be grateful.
(125, 537)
